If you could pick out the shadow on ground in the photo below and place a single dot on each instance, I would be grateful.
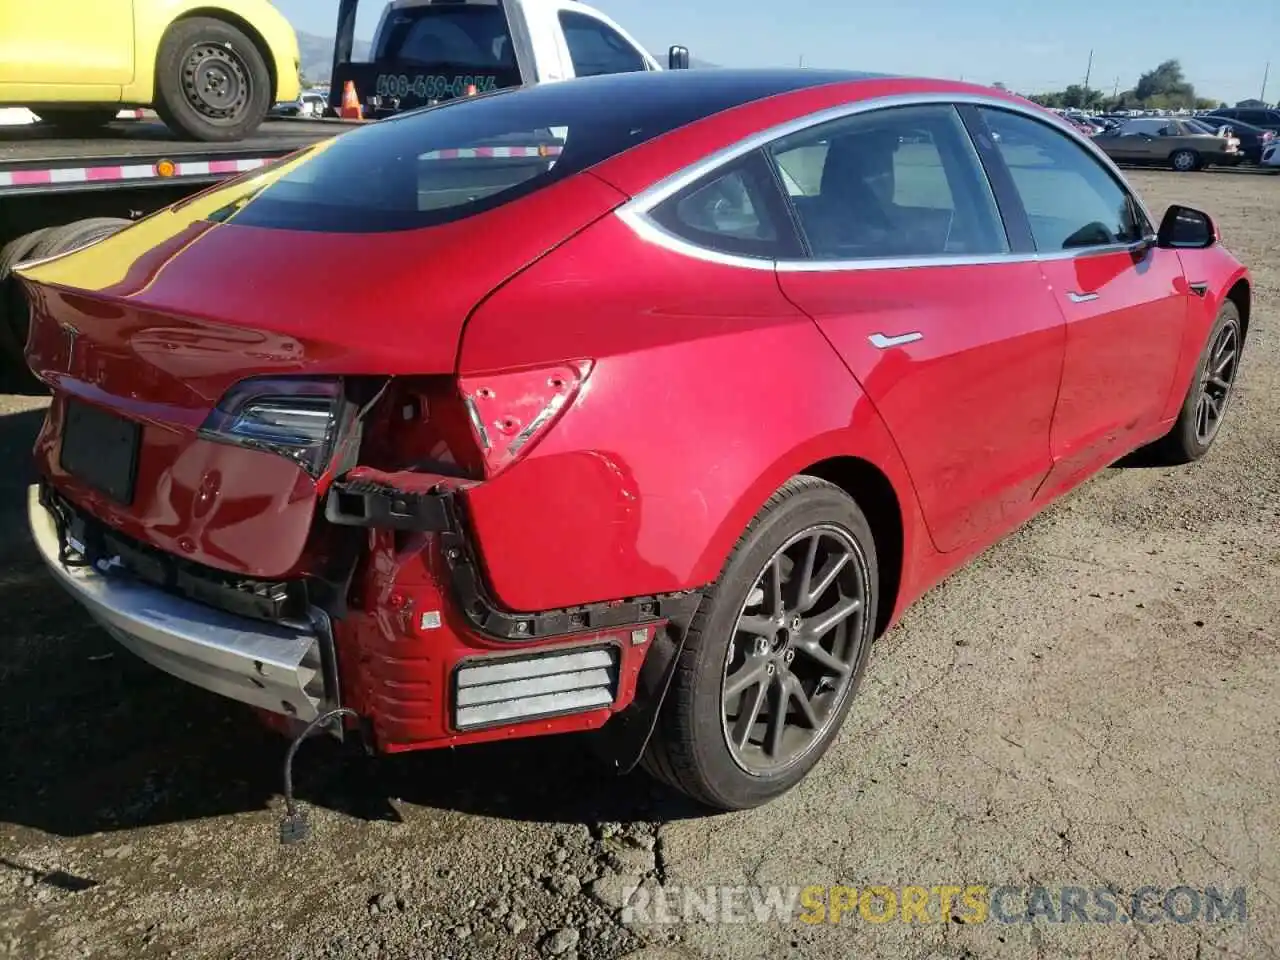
(96, 740)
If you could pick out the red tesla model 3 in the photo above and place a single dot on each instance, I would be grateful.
(638, 404)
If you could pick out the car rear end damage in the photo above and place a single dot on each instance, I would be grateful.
(285, 667)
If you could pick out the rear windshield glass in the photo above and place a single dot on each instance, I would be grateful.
(468, 36)
(444, 163)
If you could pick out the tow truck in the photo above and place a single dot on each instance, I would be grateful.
(59, 194)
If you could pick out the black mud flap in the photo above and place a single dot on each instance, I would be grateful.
(621, 742)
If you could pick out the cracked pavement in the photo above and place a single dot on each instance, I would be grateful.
(1091, 702)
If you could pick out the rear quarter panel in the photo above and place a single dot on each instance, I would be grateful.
(709, 391)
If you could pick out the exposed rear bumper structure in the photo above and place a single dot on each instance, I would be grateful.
(272, 666)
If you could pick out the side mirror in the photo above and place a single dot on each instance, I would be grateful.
(1186, 228)
(678, 58)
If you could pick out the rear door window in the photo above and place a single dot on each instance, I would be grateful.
(899, 182)
(596, 48)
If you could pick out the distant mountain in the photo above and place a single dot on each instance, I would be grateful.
(317, 56)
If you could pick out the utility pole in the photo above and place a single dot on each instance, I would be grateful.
(802, 59)
(1115, 91)
(1265, 74)
(1088, 71)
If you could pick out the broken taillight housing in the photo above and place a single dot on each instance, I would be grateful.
(295, 417)
(510, 412)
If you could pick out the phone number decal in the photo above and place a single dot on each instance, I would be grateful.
(428, 86)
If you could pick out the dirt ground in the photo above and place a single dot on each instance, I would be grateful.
(1093, 702)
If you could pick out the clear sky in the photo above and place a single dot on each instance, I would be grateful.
(1031, 46)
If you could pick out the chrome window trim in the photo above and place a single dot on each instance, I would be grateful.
(635, 213)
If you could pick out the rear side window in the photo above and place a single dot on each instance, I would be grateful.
(736, 209)
(1072, 201)
(899, 182)
(468, 35)
(596, 48)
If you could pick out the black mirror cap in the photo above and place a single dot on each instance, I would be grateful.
(1187, 228)
(678, 58)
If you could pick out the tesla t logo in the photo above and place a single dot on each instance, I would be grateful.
(72, 334)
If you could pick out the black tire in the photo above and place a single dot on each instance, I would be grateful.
(34, 246)
(1185, 442)
(689, 749)
(71, 120)
(1185, 161)
(212, 83)
(13, 303)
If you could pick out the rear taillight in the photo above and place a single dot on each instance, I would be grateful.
(295, 417)
(510, 412)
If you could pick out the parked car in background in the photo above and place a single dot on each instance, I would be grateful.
(1266, 118)
(308, 104)
(1253, 140)
(745, 367)
(1168, 142)
(1271, 157)
(210, 70)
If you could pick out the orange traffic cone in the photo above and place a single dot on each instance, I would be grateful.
(351, 109)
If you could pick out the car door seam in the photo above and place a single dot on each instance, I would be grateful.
(897, 448)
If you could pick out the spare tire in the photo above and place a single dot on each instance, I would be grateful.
(12, 301)
(14, 310)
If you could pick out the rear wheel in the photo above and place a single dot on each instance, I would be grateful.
(1205, 406)
(775, 652)
(1184, 161)
(212, 83)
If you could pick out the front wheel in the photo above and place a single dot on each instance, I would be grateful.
(212, 83)
(1184, 161)
(1205, 406)
(775, 653)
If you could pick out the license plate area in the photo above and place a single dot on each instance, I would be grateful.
(100, 450)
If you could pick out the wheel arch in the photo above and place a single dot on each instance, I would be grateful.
(1241, 294)
(232, 20)
(868, 485)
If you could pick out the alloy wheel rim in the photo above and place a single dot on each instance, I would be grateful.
(215, 81)
(1184, 161)
(794, 653)
(1216, 383)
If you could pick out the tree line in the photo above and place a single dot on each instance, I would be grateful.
(1164, 88)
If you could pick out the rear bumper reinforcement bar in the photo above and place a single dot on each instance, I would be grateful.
(430, 507)
(277, 667)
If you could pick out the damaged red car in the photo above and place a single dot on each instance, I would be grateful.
(636, 404)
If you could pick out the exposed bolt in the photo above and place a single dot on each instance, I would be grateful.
(453, 553)
(797, 624)
(522, 627)
(789, 656)
(762, 646)
(769, 669)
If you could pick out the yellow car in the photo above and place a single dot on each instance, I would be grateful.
(211, 70)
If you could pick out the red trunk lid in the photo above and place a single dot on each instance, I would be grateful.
(158, 321)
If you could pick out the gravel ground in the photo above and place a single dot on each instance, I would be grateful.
(1091, 702)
